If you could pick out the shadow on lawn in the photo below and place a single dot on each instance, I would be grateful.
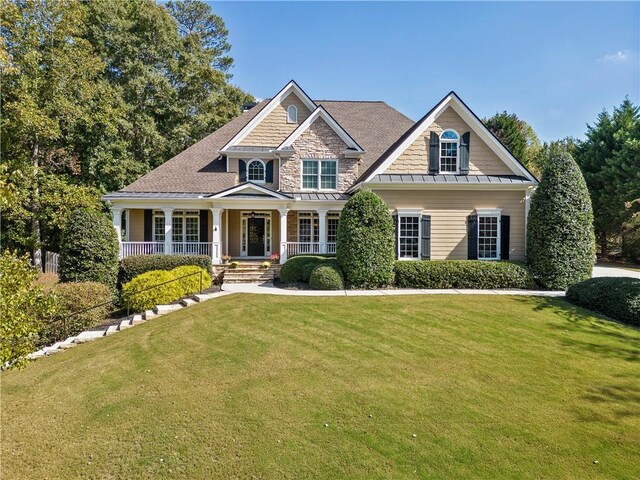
(580, 330)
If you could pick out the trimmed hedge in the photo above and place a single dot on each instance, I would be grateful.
(72, 297)
(89, 250)
(462, 274)
(137, 295)
(327, 277)
(298, 269)
(560, 239)
(131, 267)
(616, 297)
(365, 248)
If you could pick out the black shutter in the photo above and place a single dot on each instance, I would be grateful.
(425, 247)
(268, 177)
(434, 153)
(464, 153)
(242, 170)
(395, 234)
(204, 225)
(505, 222)
(148, 225)
(472, 237)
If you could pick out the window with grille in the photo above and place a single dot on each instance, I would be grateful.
(408, 236)
(449, 142)
(158, 228)
(256, 171)
(322, 174)
(332, 228)
(488, 237)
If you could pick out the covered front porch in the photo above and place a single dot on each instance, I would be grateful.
(241, 226)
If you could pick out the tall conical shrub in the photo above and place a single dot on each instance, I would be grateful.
(560, 239)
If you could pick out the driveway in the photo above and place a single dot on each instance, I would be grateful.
(613, 271)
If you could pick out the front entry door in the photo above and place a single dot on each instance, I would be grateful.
(255, 227)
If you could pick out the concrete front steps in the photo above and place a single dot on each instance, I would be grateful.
(251, 272)
(128, 322)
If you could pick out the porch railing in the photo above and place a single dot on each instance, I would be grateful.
(191, 248)
(127, 249)
(307, 248)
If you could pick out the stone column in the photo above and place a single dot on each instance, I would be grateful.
(216, 250)
(322, 229)
(168, 227)
(283, 234)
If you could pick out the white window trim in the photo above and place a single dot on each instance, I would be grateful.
(490, 212)
(448, 140)
(315, 222)
(319, 161)
(413, 213)
(290, 118)
(264, 169)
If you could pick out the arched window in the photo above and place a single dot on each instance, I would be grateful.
(256, 171)
(292, 114)
(449, 143)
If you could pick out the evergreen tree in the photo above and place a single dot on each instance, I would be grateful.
(560, 241)
(517, 135)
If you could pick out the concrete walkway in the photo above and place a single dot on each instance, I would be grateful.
(613, 271)
(269, 289)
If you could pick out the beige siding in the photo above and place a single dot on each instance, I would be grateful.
(233, 167)
(136, 229)
(482, 160)
(271, 131)
(449, 211)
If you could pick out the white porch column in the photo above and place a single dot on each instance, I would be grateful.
(168, 226)
(283, 234)
(116, 215)
(216, 247)
(322, 229)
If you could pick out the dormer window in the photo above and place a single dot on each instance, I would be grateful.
(256, 171)
(292, 114)
(449, 143)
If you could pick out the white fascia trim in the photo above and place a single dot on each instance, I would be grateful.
(477, 126)
(409, 211)
(292, 86)
(252, 186)
(320, 112)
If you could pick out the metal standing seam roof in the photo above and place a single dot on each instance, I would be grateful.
(319, 195)
(451, 179)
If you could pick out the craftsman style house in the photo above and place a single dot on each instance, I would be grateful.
(274, 180)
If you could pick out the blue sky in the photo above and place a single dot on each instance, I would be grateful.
(556, 65)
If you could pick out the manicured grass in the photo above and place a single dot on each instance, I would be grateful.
(242, 387)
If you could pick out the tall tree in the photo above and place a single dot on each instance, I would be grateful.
(610, 161)
(517, 135)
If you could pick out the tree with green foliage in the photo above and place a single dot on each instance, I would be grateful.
(89, 249)
(560, 240)
(550, 150)
(97, 93)
(365, 247)
(517, 135)
(610, 161)
(24, 306)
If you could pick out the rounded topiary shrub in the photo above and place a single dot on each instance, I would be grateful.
(365, 249)
(618, 298)
(560, 239)
(327, 277)
(298, 269)
(89, 250)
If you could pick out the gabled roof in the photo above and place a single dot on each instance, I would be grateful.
(251, 189)
(320, 112)
(291, 87)
(454, 101)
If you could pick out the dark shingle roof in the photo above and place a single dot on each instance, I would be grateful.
(199, 169)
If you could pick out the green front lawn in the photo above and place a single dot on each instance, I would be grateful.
(343, 387)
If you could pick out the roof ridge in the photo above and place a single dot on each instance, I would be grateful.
(350, 101)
